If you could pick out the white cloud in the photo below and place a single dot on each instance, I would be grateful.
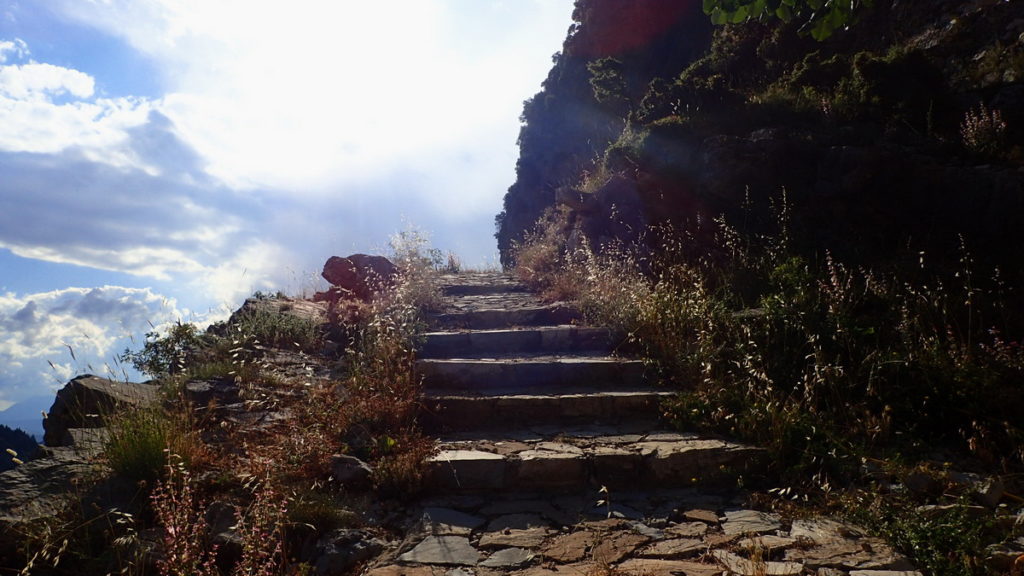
(48, 109)
(39, 334)
(322, 96)
(16, 47)
(35, 81)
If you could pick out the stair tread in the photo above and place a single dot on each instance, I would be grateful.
(532, 358)
(544, 392)
(547, 328)
(630, 433)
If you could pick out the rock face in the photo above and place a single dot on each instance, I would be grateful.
(84, 401)
(887, 166)
(358, 275)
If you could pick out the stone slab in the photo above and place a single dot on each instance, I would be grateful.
(767, 542)
(687, 529)
(529, 538)
(612, 548)
(508, 558)
(446, 550)
(657, 567)
(701, 515)
(569, 548)
(745, 567)
(448, 522)
(674, 548)
(750, 522)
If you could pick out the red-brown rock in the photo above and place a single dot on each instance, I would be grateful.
(360, 275)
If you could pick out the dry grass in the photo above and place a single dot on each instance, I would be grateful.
(824, 365)
(187, 456)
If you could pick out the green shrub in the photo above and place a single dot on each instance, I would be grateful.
(279, 329)
(140, 439)
(165, 355)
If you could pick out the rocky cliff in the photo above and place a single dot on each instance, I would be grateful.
(902, 133)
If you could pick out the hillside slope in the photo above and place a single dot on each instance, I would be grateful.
(899, 135)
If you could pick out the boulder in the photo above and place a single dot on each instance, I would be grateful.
(341, 550)
(85, 400)
(360, 275)
(350, 471)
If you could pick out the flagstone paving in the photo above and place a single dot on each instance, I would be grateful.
(552, 462)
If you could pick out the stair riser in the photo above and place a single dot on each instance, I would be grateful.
(462, 413)
(552, 341)
(483, 375)
(493, 319)
(483, 289)
(712, 469)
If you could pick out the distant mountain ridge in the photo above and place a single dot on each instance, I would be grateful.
(23, 445)
(28, 414)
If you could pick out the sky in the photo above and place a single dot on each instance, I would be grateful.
(160, 160)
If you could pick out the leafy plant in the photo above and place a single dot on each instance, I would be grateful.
(983, 131)
(164, 355)
(821, 17)
(179, 510)
(279, 329)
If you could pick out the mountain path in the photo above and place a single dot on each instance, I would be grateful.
(552, 461)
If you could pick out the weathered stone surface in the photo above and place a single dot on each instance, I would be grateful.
(822, 530)
(700, 515)
(508, 558)
(649, 531)
(617, 546)
(569, 548)
(448, 522)
(471, 469)
(657, 567)
(750, 522)
(885, 573)
(529, 538)
(860, 554)
(350, 471)
(1000, 558)
(401, 570)
(767, 543)
(448, 550)
(32, 490)
(202, 392)
(746, 567)
(341, 550)
(574, 569)
(674, 548)
(688, 529)
(86, 399)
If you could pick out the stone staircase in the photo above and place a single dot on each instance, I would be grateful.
(552, 462)
(522, 398)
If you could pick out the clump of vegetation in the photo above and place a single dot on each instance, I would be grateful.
(140, 440)
(268, 456)
(983, 131)
(823, 364)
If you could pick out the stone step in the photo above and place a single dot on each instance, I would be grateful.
(446, 410)
(506, 287)
(549, 339)
(530, 372)
(564, 458)
(482, 316)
